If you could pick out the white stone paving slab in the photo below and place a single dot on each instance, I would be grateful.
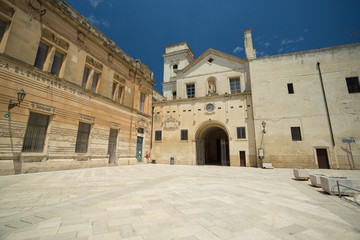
(173, 202)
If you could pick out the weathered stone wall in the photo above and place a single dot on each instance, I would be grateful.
(62, 98)
(306, 107)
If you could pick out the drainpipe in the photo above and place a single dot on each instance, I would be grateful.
(326, 105)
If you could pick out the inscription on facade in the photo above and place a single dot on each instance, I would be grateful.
(87, 118)
(43, 79)
(114, 125)
(42, 108)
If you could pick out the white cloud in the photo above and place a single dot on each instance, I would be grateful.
(95, 3)
(280, 50)
(305, 30)
(267, 44)
(237, 49)
(289, 41)
(98, 22)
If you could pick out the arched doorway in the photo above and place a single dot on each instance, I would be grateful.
(212, 146)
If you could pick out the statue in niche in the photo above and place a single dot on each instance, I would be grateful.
(212, 86)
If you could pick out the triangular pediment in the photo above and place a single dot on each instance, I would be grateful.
(211, 60)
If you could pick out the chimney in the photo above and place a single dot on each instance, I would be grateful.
(249, 50)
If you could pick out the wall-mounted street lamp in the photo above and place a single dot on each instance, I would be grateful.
(263, 125)
(20, 95)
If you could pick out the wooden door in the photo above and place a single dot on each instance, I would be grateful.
(242, 159)
(322, 157)
(223, 152)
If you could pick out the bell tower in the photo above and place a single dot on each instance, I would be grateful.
(176, 58)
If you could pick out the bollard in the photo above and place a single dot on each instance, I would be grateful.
(172, 161)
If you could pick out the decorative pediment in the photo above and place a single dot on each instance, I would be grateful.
(142, 123)
(94, 63)
(170, 124)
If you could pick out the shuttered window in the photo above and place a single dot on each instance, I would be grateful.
(35, 132)
(241, 134)
(158, 135)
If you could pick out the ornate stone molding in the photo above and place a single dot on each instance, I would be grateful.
(142, 123)
(170, 124)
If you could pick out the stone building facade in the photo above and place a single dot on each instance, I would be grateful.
(87, 103)
(224, 110)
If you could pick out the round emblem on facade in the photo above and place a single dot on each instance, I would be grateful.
(81, 36)
(210, 107)
(35, 4)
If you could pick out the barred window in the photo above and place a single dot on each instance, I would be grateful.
(158, 135)
(235, 85)
(82, 137)
(35, 132)
(241, 133)
(184, 134)
(190, 90)
(296, 133)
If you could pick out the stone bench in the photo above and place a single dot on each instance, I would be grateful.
(315, 179)
(267, 166)
(301, 174)
(329, 185)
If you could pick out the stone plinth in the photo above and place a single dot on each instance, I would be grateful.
(301, 174)
(329, 185)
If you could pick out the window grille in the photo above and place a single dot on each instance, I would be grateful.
(82, 137)
(235, 85)
(35, 132)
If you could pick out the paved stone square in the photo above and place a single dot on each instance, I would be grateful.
(173, 202)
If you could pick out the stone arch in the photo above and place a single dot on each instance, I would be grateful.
(212, 144)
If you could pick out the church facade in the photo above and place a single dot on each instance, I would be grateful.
(292, 110)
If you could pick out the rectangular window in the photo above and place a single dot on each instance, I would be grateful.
(35, 132)
(85, 77)
(119, 94)
(113, 90)
(2, 29)
(241, 133)
(82, 137)
(142, 101)
(290, 88)
(296, 133)
(235, 85)
(141, 130)
(158, 135)
(94, 82)
(184, 134)
(41, 56)
(353, 84)
(55, 69)
(190, 90)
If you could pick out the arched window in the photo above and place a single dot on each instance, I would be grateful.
(174, 95)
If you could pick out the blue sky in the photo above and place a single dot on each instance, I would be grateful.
(144, 28)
